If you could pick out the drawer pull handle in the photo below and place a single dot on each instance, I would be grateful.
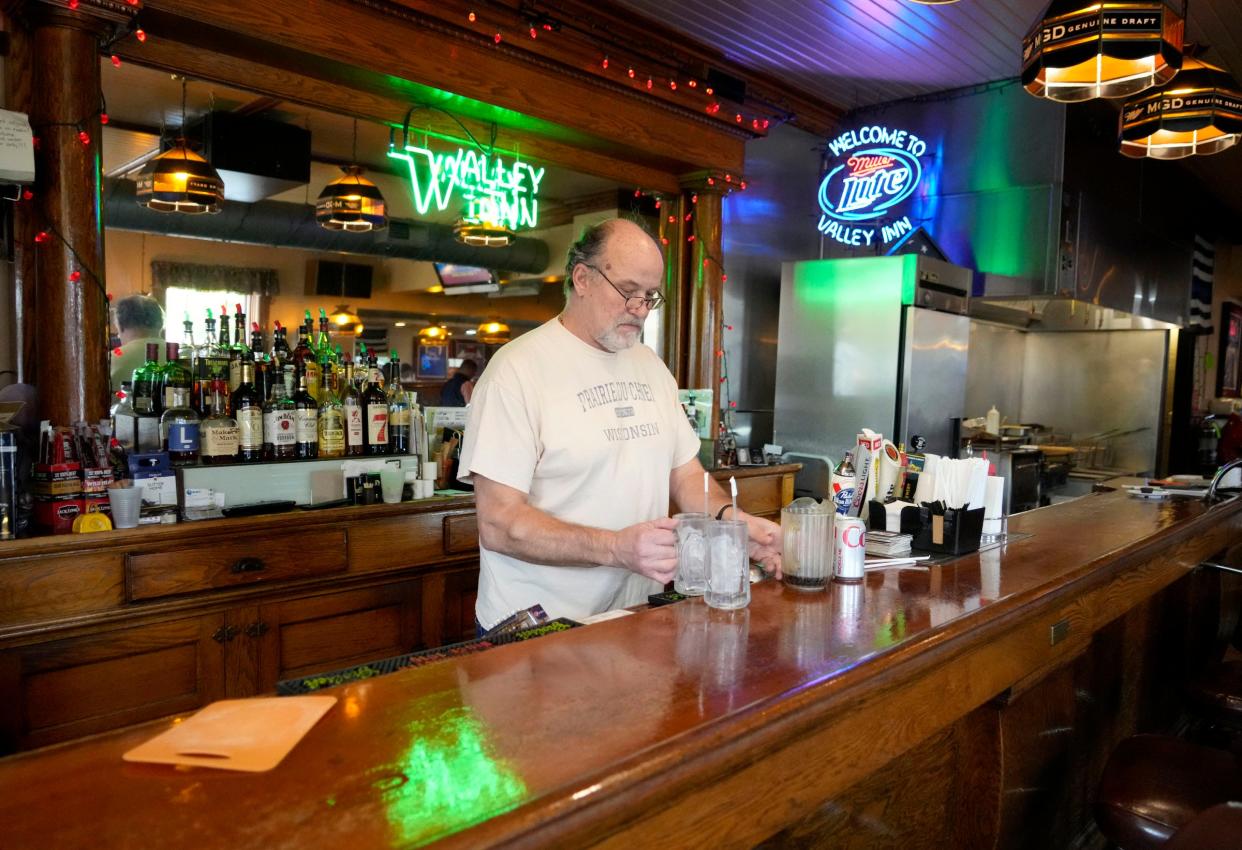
(248, 565)
(224, 634)
(256, 630)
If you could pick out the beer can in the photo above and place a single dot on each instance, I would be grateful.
(849, 549)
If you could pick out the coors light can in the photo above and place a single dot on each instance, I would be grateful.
(849, 549)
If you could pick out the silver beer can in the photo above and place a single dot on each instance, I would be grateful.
(849, 549)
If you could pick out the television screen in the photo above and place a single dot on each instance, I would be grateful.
(451, 274)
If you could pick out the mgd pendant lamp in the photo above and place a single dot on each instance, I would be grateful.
(179, 180)
(351, 202)
(1199, 113)
(1080, 50)
(493, 331)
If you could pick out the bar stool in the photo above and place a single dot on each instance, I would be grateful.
(1153, 785)
(1218, 828)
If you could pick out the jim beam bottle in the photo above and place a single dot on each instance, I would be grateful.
(355, 417)
(248, 413)
(219, 432)
(279, 425)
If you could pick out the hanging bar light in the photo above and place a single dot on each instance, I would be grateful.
(493, 331)
(179, 180)
(346, 319)
(1200, 113)
(351, 202)
(1079, 50)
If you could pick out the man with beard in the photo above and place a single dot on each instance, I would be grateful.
(575, 442)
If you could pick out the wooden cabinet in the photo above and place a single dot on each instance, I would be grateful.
(68, 688)
(77, 686)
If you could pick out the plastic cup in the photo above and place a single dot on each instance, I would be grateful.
(728, 572)
(392, 481)
(126, 505)
(691, 576)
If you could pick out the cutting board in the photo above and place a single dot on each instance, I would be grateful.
(238, 734)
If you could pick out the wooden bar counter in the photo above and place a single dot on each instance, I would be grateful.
(971, 704)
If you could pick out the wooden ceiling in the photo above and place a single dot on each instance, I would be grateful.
(860, 52)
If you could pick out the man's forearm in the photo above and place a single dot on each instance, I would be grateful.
(532, 535)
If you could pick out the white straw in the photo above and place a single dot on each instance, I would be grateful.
(706, 509)
(733, 489)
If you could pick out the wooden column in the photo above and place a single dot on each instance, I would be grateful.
(64, 321)
(703, 286)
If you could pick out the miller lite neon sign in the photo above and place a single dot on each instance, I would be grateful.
(874, 169)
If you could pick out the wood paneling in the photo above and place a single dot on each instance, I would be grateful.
(387, 46)
(77, 686)
(322, 633)
(398, 542)
(461, 533)
(235, 562)
(47, 587)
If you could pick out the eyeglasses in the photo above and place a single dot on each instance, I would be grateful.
(652, 300)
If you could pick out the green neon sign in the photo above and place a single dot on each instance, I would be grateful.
(490, 189)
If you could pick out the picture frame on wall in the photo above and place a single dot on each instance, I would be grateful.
(470, 350)
(1229, 366)
(431, 360)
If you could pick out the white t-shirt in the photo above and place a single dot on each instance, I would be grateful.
(591, 437)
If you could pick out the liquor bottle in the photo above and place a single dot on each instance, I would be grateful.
(398, 412)
(179, 427)
(304, 357)
(323, 345)
(279, 425)
(262, 363)
(305, 421)
(147, 381)
(219, 432)
(202, 358)
(189, 356)
(124, 418)
(218, 350)
(331, 425)
(175, 376)
(355, 424)
(282, 358)
(238, 351)
(248, 412)
(375, 413)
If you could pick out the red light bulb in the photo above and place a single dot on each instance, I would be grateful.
(742, 184)
(723, 278)
(84, 137)
(693, 84)
(766, 122)
(649, 84)
(27, 194)
(672, 84)
(638, 193)
(471, 17)
(694, 199)
(534, 33)
(605, 63)
(75, 275)
(630, 72)
(710, 90)
(116, 352)
(663, 240)
(728, 178)
(140, 34)
(103, 118)
(672, 218)
(497, 38)
(738, 118)
(73, 4)
(711, 181)
(41, 237)
(689, 216)
(116, 60)
(657, 204)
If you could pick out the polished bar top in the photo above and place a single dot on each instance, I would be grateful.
(483, 749)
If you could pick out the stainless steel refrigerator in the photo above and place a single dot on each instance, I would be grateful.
(875, 342)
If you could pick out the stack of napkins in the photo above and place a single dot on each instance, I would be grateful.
(888, 544)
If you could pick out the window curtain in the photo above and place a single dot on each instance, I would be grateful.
(262, 282)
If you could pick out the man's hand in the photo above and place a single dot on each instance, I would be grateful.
(648, 548)
(765, 544)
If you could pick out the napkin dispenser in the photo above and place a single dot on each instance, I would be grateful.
(951, 531)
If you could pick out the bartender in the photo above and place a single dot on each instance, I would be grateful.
(575, 441)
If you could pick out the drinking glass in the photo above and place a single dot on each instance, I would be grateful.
(126, 505)
(691, 576)
(728, 572)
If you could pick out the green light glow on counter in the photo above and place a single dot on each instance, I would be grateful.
(452, 781)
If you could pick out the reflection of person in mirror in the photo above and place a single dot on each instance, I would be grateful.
(575, 442)
(457, 389)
